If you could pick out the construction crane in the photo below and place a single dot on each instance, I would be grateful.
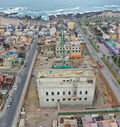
(63, 53)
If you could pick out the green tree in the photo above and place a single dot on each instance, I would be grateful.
(1, 60)
(76, 33)
(112, 65)
(1, 96)
(108, 57)
(117, 70)
(119, 62)
(4, 85)
(6, 46)
(104, 55)
(114, 58)
(98, 46)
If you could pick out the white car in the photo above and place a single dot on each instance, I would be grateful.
(15, 87)
(8, 105)
(11, 99)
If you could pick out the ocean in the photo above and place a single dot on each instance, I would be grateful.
(45, 8)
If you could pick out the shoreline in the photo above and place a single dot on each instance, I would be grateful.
(61, 16)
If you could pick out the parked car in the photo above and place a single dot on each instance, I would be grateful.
(8, 105)
(32, 75)
(25, 65)
(11, 99)
(15, 87)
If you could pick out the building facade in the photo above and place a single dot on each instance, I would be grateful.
(69, 48)
(69, 91)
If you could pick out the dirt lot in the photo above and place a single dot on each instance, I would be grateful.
(101, 98)
(36, 116)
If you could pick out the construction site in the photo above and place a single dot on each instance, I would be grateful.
(64, 82)
(35, 115)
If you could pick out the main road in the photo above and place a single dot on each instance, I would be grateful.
(113, 83)
(7, 119)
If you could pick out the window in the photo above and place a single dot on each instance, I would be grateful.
(69, 93)
(47, 99)
(52, 93)
(46, 93)
(67, 80)
(80, 99)
(74, 99)
(52, 99)
(80, 92)
(86, 92)
(63, 93)
(90, 81)
(85, 98)
(63, 99)
(63, 80)
(69, 99)
(58, 93)
(58, 100)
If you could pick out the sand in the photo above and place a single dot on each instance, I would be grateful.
(6, 21)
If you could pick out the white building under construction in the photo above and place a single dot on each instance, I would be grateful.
(69, 47)
(66, 87)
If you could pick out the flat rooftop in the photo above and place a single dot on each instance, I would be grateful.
(59, 73)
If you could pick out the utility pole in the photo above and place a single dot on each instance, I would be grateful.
(62, 48)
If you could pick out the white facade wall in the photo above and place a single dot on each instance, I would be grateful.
(69, 50)
(52, 90)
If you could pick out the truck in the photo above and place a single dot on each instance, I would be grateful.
(100, 64)
(73, 56)
(50, 56)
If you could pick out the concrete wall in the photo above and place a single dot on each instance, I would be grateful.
(64, 92)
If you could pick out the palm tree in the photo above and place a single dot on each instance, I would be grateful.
(108, 57)
(112, 65)
(104, 55)
(117, 70)
(98, 46)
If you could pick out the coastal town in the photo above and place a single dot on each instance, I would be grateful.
(64, 72)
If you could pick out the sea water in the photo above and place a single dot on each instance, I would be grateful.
(45, 8)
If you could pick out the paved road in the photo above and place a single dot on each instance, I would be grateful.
(103, 50)
(7, 119)
(113, 83)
